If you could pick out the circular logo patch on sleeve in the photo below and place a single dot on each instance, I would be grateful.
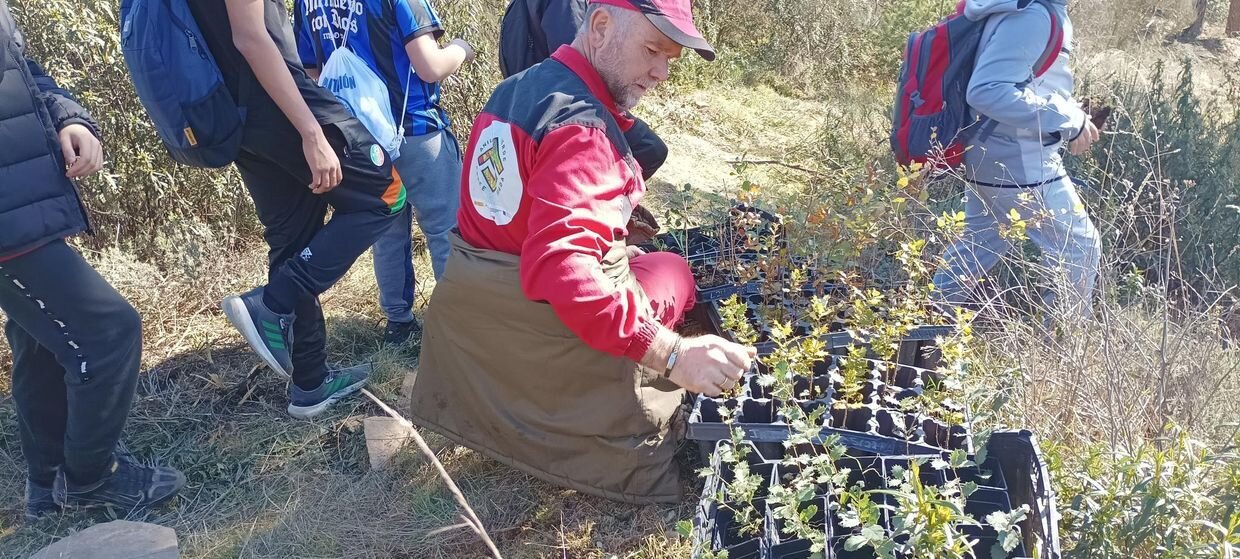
(376, 155)
(495, 185)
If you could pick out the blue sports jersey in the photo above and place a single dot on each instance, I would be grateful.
(377, 31)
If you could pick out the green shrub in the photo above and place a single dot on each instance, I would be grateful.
(477, 21)
(1163, 185)
(808, 47)
(1174, 498)
(142, 201)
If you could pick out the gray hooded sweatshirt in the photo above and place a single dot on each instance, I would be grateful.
(1032, 117)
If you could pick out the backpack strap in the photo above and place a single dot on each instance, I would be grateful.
(404, 105)
(1054, 46)
(986, 126)
(327, 22)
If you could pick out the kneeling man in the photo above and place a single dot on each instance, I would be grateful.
(549, 342)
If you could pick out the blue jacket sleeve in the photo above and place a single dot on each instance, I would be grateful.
(999, 88)
(61, 105)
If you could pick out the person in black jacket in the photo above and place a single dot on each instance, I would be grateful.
(533, 29)
(77, 344)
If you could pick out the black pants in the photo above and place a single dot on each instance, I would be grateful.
(647, 147)
(77, 346)
(307, 257)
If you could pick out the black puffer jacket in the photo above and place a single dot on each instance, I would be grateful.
(38, 204)
(533, 29)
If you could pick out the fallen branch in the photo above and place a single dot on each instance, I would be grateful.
(472, 519)
(740, 162)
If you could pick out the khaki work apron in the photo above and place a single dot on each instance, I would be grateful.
(502, 375)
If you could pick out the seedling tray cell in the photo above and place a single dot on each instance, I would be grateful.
(727, 536)
(783, 546)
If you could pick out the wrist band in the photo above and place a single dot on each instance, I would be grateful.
(671, 359)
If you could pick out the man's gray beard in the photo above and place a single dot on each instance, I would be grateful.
(625, 101)
(626, 97)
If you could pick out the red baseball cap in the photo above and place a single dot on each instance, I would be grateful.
(672, 17)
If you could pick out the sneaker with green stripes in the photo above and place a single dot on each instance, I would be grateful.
(269, 334)
(339, 383)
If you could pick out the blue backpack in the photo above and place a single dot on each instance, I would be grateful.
(179, 83)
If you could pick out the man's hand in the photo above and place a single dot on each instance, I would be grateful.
(465, 46)
(325, 171)
(643, 226)
(633, 251)
(82, 150)
(1086, 139)
(711, 365)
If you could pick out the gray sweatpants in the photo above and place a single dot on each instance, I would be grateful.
(1057, 223)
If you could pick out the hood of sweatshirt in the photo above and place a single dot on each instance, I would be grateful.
(979, 9)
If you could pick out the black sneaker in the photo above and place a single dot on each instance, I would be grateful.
(339, 383)
(399, 333)
(269, 334)
(128, 486)
(40, 501)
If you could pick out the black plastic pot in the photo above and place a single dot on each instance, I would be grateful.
(784, 546)
(898, 425)
(757, 419)
(942, 435)
(986, 539)
(928, 475)
(666, 242)
(837, 551)
(859, 419)
(985, 501)
(988, 474)
(818, 387)
(708, 409)
(754, 390)
(866, 470)
(726, 534)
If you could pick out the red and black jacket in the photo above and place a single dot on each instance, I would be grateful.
(549, 177)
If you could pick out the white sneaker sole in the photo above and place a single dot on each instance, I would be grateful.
(239, 316)
(310, 412)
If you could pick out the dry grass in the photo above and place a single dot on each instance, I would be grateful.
(1121, 379)
(264, 485)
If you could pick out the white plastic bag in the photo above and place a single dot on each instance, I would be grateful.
(365, 95)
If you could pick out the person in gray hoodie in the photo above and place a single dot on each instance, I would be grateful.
(1013, 165)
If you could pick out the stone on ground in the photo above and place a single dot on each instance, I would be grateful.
(119, 539)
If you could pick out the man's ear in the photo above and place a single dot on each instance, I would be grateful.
(600, 23)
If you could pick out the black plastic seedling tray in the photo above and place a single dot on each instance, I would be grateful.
(711, 249)
(915, 349)
(1014, 475)
(876, 423)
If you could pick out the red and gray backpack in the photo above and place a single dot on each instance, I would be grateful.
(931, 122)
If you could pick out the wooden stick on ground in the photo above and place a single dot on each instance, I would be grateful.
(472, 519)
